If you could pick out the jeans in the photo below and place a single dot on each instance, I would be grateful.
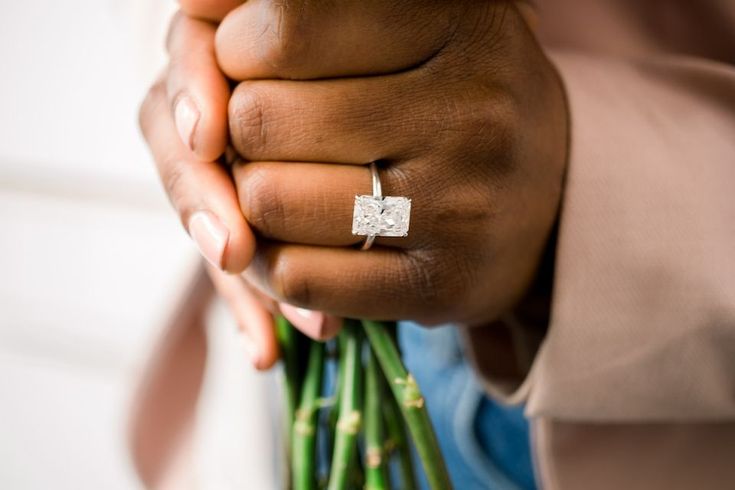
(486, 445)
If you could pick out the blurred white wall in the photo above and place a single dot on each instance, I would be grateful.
(91, 257)
(73, 75)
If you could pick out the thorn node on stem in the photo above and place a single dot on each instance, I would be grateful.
(303, 428)
(302, 423)
(373, 457)
(412, 397)
(350, 423)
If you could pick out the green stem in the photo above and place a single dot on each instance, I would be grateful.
(398, 439)
(286, 335)
(305, 423)
(349, 421)
(411, 403)
(376, 474)
(330, 420)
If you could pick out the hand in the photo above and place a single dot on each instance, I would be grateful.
(186, 143)
(468, 119)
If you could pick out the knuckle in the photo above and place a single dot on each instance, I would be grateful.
(499, 120)
(261, 202)
(247, 124)
(437, 288)
(284, 45)
(485, 128)
(175, 184)
(507, 119)
(422, 279)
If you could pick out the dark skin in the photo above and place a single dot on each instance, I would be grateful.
(457, 102)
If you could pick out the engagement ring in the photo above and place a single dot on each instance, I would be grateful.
(378, 215)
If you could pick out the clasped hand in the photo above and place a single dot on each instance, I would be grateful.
(457, 102)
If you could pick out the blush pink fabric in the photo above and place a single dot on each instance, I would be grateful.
(633, 385)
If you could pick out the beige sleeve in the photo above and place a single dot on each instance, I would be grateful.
(643, 306)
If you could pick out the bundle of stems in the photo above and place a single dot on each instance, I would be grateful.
(358, 433)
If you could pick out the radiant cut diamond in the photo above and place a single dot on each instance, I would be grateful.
(381, 216)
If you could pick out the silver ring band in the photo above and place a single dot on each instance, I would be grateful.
(377, 193)
(377, 187)
(368, 242)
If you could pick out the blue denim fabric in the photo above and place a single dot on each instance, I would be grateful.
(486, 445)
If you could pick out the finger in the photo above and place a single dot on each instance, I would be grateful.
(213, 10)
(380, 284)
(349, 121)
(314, 324)
(197, 90)
(253, 318)
(300, 39)
(313, 203)
(202, 192)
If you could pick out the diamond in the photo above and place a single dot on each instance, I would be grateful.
(381, 216)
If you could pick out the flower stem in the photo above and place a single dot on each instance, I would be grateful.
(350, 418)
(305, 422)
(398, 440)
(411, 403)
(376, 474)
(286, 335)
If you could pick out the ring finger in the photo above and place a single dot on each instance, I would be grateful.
(313, 203)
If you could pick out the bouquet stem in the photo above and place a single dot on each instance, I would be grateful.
(350, 417)
(398, 442)
(286, 336)
(305, 423)
(376, 474)
(387, 413)
(411, 402)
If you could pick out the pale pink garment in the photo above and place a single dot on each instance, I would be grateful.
(633, 386)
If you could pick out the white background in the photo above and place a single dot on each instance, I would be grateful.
(91, 257)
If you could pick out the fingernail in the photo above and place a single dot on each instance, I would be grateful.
(307, 314)
(186, 116)
(308, 321)
(210, 236)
